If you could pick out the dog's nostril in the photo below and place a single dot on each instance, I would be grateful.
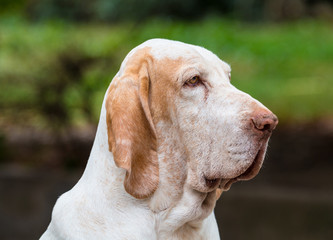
(266, 127)
(264, 121)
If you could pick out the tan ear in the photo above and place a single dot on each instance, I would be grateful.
(131, 133)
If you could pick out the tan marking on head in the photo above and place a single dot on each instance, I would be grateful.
(131, 133)
(164, 87)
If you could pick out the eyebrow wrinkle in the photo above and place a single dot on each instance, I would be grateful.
(206, 93)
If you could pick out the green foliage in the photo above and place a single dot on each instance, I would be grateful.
(55, 74)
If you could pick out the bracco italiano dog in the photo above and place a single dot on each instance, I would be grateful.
(173, 134)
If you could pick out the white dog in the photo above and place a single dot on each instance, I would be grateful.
(172, 135)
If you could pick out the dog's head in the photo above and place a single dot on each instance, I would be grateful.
(162, 84)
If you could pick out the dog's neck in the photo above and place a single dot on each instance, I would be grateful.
(172, 169)
(180, 207)
(176, 207)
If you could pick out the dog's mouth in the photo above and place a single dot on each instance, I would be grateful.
(249, 173)
(211, 183)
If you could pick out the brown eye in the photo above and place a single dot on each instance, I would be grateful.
(193, 81)
(229, 76)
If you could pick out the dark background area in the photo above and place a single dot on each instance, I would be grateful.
(53, 79)
(124, 10)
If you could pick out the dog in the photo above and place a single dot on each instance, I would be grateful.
(173, 134)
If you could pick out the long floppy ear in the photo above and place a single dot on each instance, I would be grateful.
(131, 133)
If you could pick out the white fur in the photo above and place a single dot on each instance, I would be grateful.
(206, 137)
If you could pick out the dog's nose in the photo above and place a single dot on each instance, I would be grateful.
(264, 120)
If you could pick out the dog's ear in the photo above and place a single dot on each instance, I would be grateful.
(131, 132)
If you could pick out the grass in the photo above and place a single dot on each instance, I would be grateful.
(286, 66)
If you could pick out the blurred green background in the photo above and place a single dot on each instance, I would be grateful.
(57, 58)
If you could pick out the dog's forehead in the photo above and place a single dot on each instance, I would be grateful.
(161, 49)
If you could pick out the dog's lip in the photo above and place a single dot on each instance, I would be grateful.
(249, 173)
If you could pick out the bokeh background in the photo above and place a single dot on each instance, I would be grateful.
(57, 58)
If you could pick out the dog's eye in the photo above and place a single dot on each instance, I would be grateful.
(193, 81)
(229, 76)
